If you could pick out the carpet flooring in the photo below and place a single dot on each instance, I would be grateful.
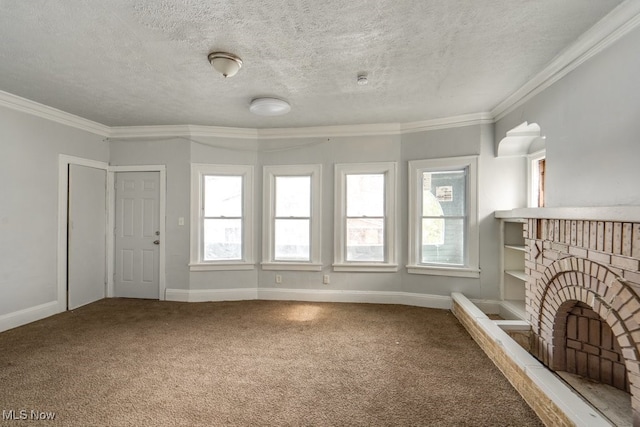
(123, 362)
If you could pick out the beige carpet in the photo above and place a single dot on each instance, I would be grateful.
(121, 362)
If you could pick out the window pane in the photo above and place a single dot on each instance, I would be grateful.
(292, 240)
(365, 195)
(432, 231)
(222, 196)
(430, 205)
(365, 239)
(443, 241)
(222, 239)
(293, 196)
(448, 189)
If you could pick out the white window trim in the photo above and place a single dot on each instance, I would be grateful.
(341, 171)
(198, 171)
(416, 168)
(532, 171)
(269, 178)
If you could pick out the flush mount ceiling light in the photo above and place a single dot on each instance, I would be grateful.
(225, 63)
(362, 79)
(269, 107)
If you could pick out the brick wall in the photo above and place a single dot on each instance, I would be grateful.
(573, 265)
(591, 350)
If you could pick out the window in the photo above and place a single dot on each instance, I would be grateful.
(443, 230)
(221, 217)
(365, 227)
(292, 209)
(536, 169)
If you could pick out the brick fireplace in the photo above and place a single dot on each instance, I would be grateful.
(582, 299)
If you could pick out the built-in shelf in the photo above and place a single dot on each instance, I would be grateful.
(513, 278)
(518, 274)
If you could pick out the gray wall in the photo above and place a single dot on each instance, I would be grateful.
(497, 187)
(29, 149)
(502, 185)
(178, 154)
(454, 142)
(328, 152)
(591, 121)
(233, 152)
(175, 155)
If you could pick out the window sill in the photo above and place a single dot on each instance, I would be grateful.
(293, 266)
(365, 268)
(219, 266)
(473, 273)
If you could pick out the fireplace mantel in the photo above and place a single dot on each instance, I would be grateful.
(597, 213)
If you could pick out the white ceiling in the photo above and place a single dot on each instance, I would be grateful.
(144, 62)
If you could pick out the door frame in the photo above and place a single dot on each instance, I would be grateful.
(63, 211)
(111, 184)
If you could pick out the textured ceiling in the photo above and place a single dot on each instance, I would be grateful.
(124, 62)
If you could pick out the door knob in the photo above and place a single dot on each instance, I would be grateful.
(156, 242)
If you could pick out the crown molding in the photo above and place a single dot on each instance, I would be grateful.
(605, 32)
(223, 132)
(177, 131)
(380, 129)
(24, 105)
(331, 131)
(15, 102)
(376, 129)
(140, 132)
(448, 122)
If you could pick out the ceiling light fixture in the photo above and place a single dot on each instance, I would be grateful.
(269, 107)
(225, 63)
(362, 79)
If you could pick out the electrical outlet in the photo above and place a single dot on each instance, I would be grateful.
(278, 278)
(325, 279)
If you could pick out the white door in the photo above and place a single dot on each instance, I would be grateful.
(86, 239)
(137, 235)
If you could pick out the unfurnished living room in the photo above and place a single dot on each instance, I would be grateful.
(319, 213)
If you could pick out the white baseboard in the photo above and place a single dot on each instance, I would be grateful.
(374, 297)
(28, 315)
(426, 300)
(202, 295)
(311, 295)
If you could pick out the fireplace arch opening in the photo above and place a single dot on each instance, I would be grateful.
(588, 347)
(584, 322)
